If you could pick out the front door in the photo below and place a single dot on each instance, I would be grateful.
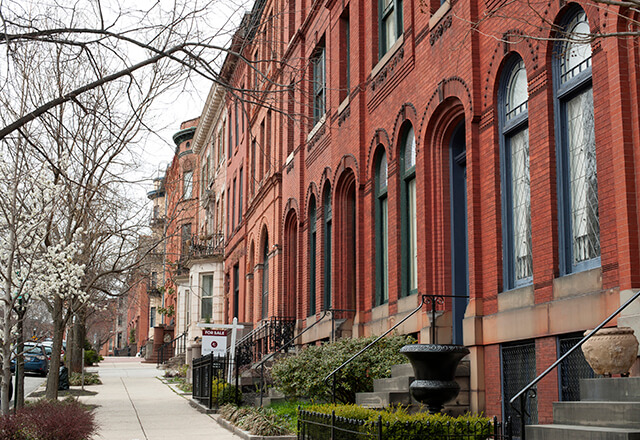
(459, 246)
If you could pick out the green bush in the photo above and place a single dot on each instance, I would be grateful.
(91, 357)
(223, 393)
(397, 424)
(302, 375)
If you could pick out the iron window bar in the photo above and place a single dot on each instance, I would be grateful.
(529, 390)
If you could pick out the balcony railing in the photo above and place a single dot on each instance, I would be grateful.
(209, 246)
(152, 290)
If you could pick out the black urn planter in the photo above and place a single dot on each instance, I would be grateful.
(434, 366)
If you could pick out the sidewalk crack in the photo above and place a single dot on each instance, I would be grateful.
(134, 408)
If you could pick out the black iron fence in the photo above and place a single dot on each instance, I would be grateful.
(268, 338)
(175, 347)
(318, 426)
(215, 381)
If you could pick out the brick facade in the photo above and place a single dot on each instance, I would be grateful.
(442, 78)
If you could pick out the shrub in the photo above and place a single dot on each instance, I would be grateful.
(257, 421)
(91, 357)
(397, 424)
(223, 393)
(302, 375)
(49, 420)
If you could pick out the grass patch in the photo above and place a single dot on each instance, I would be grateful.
(75, 379)
(257, 421)
(71, 392)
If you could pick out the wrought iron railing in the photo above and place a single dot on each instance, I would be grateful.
(175, 347)
(434, 300)
(210, 385)
(267, 338)
(244, 347)
(319, 426)
(529, 390)
(210, 246)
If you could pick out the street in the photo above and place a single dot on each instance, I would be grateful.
(31, 383)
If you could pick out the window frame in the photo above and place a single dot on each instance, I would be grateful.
(312, 256)
(509, 127)
(565, 91)
(203, 297)
(187, 185)
(381, 226)
(319, 81)
(393, 12)
(407, 175)
(327, 226)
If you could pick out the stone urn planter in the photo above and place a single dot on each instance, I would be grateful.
(434, 366)
(611, 350)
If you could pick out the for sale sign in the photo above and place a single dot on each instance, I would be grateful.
(214, 341)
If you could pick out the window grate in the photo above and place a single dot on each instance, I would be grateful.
(518, 370)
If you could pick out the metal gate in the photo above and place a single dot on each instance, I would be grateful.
(518, 370)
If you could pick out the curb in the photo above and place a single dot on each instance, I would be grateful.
(200, 407)
(245, 435)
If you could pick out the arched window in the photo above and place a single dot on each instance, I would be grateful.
(312, 256)
(576, 147)
(265, 278)
(408, 213)
(516, 187)
(327, 246)
(381, 228)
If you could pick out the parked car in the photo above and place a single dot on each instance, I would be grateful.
(35, 359)
(48, 346)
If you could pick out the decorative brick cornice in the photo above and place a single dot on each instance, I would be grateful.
(387, 71)
(440, 29)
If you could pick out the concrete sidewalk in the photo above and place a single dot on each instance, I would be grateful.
(134, 405)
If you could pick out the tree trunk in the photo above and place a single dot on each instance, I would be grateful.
(75, 363)
(6, 353)
(19, 395)
(58, 331)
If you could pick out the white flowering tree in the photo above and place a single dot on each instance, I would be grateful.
(85, 151)
(26, 203)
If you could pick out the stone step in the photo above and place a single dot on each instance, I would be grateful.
(401, 370)
(274, 393)
(576, 432)
(400, 383)
(605, 414)
(614, 389)
(383, 399)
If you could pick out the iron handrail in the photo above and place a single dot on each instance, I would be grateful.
(183, 335)
(522, 393)
(248, 335)
(271, 355)
(423, 301)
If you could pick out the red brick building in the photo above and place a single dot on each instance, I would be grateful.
(182, 185)
(481, 149)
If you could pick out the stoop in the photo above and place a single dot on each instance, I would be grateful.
(609, 409)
